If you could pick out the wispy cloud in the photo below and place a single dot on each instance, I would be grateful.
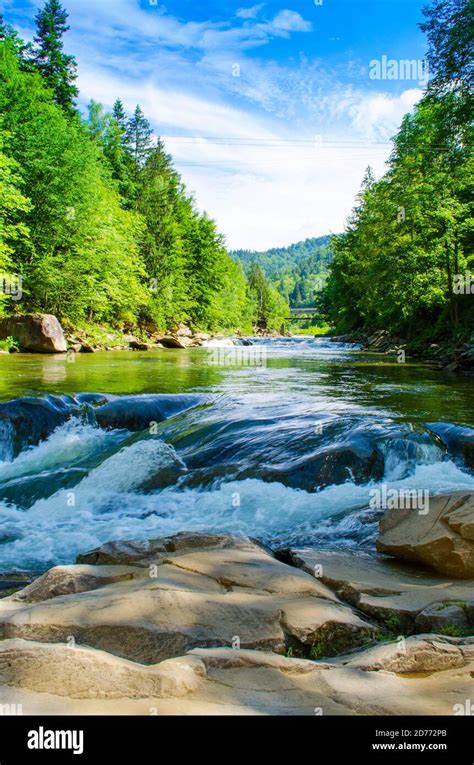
(249, 13)
(273, 145)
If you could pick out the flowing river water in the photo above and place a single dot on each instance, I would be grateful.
(284, 440)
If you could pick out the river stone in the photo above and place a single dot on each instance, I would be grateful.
(442, 539)
(142, 552)
(63, 580)
(457, 439)
(440, 616)
(28, 421)
(171, 341)
(137, 413)
(359, 461)
(421, 653)
(380, 587)
(198, 591)
(41, 333)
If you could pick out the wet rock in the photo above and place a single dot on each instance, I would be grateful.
(457, 439)
(40, 333)
(359, 462)
(28, 421)
(138, 345)
(442, 539)
(95, 399)
(139, 412)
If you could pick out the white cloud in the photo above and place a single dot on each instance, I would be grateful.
(267, 191)
(250, 13)
(291, 21)
(379, 115)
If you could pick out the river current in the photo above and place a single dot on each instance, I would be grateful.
(283, 440)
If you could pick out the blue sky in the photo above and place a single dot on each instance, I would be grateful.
(269, 109)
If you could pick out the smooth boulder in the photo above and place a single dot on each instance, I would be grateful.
(402, 596)
(442, 539)
(39, 333)
(458, 440)
(137, 413)
(28, 421)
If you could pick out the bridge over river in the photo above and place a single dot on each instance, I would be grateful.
(302, 314)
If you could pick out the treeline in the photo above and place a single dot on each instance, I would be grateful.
(93, 215)
(297, 272)
(403, 262)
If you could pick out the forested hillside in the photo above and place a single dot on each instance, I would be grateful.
(405, 259)
(94, 218)
(298, 272)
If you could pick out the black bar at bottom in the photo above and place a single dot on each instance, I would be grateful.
(127, 739)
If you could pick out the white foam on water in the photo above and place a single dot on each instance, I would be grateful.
(108, 506)
(70, 442)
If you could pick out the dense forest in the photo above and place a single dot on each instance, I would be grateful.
(298, 272)
(403, 263)
(93, 215)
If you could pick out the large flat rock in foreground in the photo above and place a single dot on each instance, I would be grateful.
(155, 600)
(216, 624)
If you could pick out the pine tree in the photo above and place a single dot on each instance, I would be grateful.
(58, 68)
(119, 115)
(139, 137)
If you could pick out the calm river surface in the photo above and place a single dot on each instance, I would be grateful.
(283, 440)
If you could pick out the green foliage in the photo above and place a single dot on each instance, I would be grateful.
(9, 343)
(297, 272)
(449, 26)
(452, 630)
(269, 308)
(107, 232)
(57, 68)
(408, 240)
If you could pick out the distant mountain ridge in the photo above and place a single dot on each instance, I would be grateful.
(297, 271)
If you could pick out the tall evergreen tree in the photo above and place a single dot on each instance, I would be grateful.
(139, 137)
(57, 67)
(119, 115)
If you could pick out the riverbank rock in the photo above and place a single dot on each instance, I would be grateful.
(402, 597)
(171, 341)
(180, 593)
(443, 539)
(39, 333)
